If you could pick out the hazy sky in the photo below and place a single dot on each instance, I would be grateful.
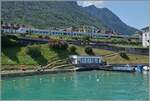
(135, 13)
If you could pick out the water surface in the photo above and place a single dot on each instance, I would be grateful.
(94, 85)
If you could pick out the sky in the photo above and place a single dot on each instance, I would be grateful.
(135, 13)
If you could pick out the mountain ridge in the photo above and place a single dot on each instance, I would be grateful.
(109, 19)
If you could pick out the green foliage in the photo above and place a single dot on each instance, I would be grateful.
(12, 37)
(18, 55)
(86, 39)
(61, 14)
(111, 20)
(40, 36)
(89, 50)
(65, 45)
(114, 41)
(47, 14)
(9, 40)
(47, 37)
(121, 41)
(33, 50)
(72, 49)
(58, 44)
(124, 55)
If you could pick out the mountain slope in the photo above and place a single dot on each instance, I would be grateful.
(47, 14)
(61, 14)
(110, 20)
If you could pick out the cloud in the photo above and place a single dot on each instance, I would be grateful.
(92, 2)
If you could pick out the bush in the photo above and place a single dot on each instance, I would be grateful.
(72, 49)
(12, 37)
(33, 50)
(114, 41)
(64, 45)
(47, 37)
(124, 55)
(86, 39)
(89, 50)
(58, 44)
(75, 38)
(40, 36)
(124, 41)
(9, 41)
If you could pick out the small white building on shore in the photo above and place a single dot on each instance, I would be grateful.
(146, 37)
(75, 59)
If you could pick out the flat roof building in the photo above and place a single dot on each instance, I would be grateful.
(75, 59)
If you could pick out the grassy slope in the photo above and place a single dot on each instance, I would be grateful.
(18, 55)
(117, 59)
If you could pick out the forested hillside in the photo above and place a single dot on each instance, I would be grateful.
(61, 14)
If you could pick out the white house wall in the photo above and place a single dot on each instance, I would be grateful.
(145, 39)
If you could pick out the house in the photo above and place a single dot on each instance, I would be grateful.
(9, 28)
(145, 37)
(22, 30)
(75, 59)
(69, 29)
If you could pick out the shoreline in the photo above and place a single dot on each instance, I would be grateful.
(21, 73)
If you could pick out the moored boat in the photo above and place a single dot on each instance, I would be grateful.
(139, 68)
(125, 68)
(145, 68)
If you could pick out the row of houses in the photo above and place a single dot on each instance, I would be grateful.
(25, 30)
(87, 29)
(12, 28)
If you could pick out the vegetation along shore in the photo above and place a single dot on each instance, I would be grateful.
(55, 53)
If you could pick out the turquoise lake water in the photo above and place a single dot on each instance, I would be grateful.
(89, 85)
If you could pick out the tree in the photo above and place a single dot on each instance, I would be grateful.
(86, 39)
(47, 37)
(40, 36)
(72, 49)
(33, 50)
(58, 44)
(64, 45)
(89, 50)
(124, 55)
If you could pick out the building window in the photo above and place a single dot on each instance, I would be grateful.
(89, 60)
(81, 60)
(92, 60)
(86, 60)
(97, 60)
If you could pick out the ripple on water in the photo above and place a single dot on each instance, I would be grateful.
(96, 85)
